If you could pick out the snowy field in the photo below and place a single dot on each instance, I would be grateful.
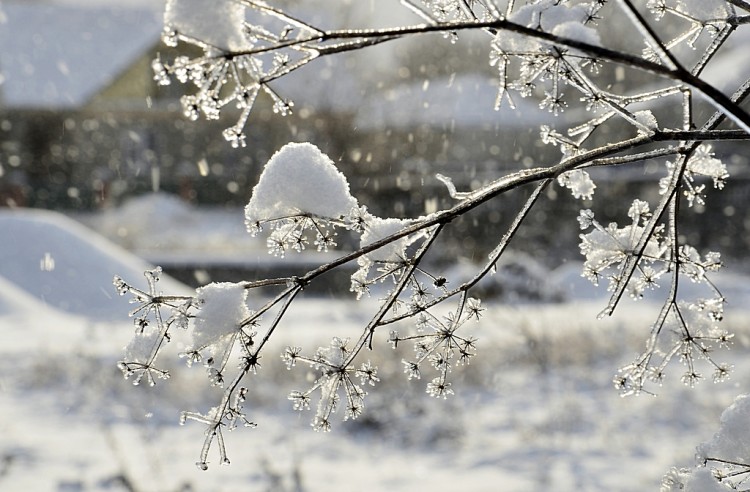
(536, 410)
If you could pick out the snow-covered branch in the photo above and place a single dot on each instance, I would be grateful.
(549, 50)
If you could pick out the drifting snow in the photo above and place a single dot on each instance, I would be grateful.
(299, 179)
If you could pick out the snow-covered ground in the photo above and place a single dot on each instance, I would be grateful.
(536, 410)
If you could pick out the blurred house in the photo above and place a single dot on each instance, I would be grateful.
(82, 122)
(60, 64)
(83, 125)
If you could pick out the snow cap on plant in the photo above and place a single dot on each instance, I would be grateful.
(218, 23)
(299, 180)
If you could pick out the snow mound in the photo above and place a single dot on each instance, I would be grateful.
(15, 301)
(158, 225)
(67, 266)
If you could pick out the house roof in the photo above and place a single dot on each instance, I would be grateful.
(58, 57)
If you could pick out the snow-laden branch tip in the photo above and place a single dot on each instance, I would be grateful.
(217, 23)
(299, 180)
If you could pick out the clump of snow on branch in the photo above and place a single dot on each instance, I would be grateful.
(579, 183)
(300, 190)
(222, 310)
(732, 441)
(647, 121)
(560, 19)
(302, 198)
(378, 229)
(217, 23)
(724, 461)
(299, 179)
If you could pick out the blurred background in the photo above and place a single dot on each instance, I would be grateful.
(88, 138)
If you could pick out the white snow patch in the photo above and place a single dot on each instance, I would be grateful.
(223, 308)
(218, 23)
(732, 441)
(299, 178)
(378, 229)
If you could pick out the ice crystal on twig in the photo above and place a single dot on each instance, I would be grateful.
(336, 374)
(438, 344)
(152, 331)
